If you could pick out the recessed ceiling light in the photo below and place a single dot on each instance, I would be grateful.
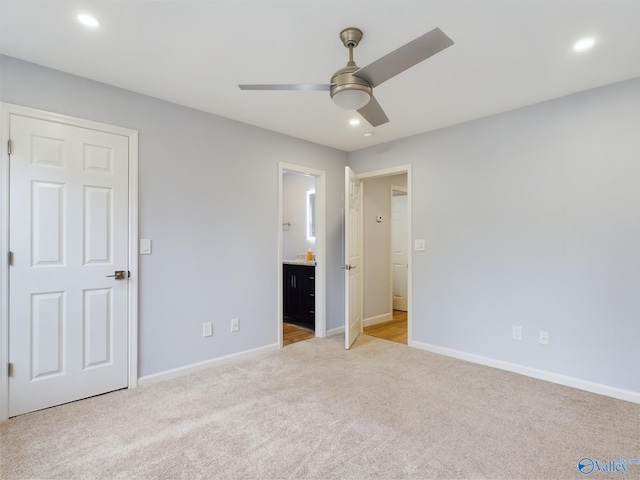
(584, 44)
(88, 20)
(368, 134)
(354, 122)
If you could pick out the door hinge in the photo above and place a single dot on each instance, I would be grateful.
(10, 369)
(9, 147)
(10, 258)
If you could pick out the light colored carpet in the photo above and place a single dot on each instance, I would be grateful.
(313, 410)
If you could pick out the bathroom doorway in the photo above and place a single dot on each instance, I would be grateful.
(301, 250)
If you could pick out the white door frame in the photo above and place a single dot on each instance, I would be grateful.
(321, 255)
(399, 170)
(7, 109)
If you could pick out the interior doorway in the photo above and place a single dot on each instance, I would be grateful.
(386, 254)
(301, 253)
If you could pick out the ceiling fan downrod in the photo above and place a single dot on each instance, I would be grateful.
(351, 38)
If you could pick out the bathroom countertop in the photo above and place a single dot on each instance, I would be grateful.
(309, 263)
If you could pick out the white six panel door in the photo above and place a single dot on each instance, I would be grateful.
(68, 233)
(353, 257)
(399, 249)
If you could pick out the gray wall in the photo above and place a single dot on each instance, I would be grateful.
(208, 200)
(377, 244)
(531, 218)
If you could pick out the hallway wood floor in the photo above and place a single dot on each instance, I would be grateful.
(394, 330)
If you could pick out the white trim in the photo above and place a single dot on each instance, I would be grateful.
(4, 267)
(399, 170)
(8, 109)
(12, 109)
(133, 282)
(195, 367)
(335, 331)
(385, 317)
(619, 393)
(321, 247)
(386, 172)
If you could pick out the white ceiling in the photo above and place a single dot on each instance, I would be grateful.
(507, 54)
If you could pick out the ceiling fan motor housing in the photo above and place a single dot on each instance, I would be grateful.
(344, 80)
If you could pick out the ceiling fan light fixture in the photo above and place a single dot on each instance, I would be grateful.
(350, 95)
(351, 99)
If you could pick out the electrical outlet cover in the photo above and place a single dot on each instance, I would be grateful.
(544, 337)
(517, 333)
(207, 329)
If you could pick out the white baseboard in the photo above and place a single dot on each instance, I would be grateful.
(385, 317)
(194, 367)
(619, 393)
(335, 331)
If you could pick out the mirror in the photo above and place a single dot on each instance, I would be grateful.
(311, 215)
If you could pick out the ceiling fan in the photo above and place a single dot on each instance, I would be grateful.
(351, 87)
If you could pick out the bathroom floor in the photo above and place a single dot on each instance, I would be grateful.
(293, 333)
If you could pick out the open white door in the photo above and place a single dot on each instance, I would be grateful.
(68, 313)
(353, 257)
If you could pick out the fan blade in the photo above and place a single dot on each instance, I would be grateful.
(373, 113)
(295, 86)
(404, 57)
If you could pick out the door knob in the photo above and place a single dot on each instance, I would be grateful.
(120, 274)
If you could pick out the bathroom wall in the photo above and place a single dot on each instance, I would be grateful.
(294, 211)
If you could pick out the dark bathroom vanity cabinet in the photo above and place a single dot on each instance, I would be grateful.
(299, 295)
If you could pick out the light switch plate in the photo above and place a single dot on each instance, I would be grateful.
(419, 245)
(145, 246)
